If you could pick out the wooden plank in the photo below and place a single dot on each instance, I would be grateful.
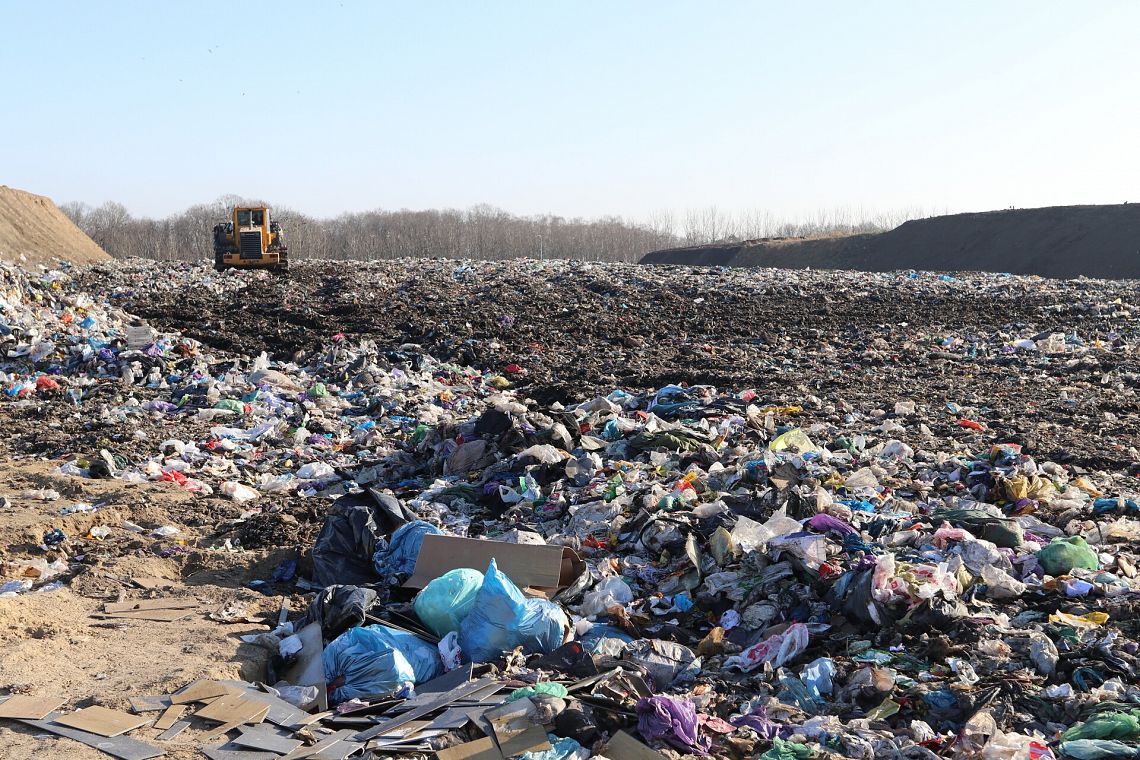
(160, 616)
(624, 746)
(168, 718)
(198, 690)
(122, 747)
(150, 604)
(102, 721)
(263, 737)
(150, 704)
(23, 707)
(173, 731)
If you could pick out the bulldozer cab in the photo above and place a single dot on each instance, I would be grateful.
(248, 218)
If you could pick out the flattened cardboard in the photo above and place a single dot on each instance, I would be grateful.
(543, 569)
(624, 746)
(480, 749)
(23, 707)
(102, 721)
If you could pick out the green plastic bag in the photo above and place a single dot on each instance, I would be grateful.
(782, 750)
(232, 404)
(549, 688)
(1107, 725)
(1061, 555)
(444, 602)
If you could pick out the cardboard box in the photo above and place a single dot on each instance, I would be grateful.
(542, 570)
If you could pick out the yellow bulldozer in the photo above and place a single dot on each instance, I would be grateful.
(250, 240)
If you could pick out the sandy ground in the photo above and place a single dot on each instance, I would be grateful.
(50, 643)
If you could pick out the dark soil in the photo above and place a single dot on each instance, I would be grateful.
(580, 330)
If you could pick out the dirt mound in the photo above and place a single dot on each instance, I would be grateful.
(1062, 241)
(34, 231)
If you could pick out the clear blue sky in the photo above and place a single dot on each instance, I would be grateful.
(583, 108)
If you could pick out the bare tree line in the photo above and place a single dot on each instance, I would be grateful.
(480, 232)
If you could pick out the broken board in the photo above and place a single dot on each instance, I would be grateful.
(309, 668)
(22, 707)
(233, 707)
(150, 604)
(102, 721)
(169, 716)
(150, 703)
(173, 731)
(265, 738)
(122, 747)
(160, 616)
(480, 749)
(198, 691)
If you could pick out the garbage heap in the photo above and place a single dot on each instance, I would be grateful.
(689, 571)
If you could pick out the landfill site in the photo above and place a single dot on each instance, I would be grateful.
(556, 510)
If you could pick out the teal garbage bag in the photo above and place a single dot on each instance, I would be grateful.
(375, 661)
(444, 603)
(503, 618)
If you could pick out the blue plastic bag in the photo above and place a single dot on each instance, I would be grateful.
(375, 661)
(503, 619)
(400, 555)
(446, 601)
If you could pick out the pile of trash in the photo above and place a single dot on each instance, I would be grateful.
(685, 570)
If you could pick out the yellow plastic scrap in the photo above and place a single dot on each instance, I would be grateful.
(781, 409)
(793, 439)
(1015, 489)
(1022, 487)
(1083, 484)
(1091, 620)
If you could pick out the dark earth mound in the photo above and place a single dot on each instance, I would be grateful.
(1062, 241)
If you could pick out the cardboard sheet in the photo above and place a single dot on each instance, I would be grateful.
(540, 569)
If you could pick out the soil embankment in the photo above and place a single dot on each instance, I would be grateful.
(1062, 241)
(34, 231)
